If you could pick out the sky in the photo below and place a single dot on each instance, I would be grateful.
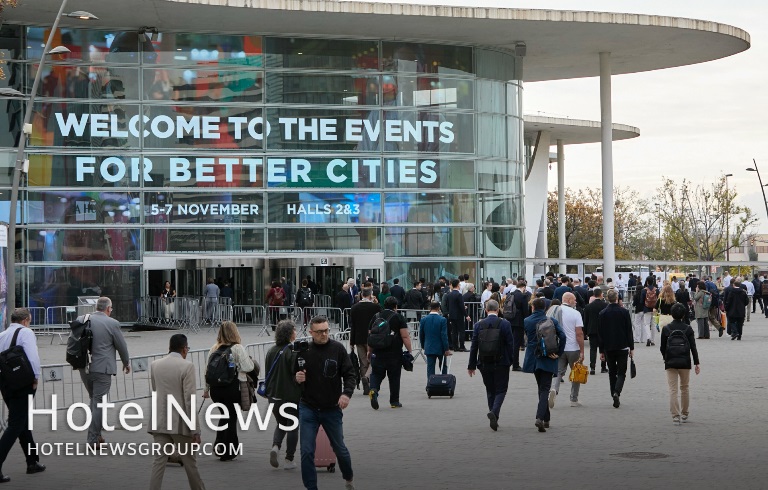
(696, 122)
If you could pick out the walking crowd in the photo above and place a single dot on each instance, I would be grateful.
(313, 380)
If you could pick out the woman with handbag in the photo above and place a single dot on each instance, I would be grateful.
(228, 339)
(281, 389)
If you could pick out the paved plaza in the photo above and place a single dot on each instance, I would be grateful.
(446, 443)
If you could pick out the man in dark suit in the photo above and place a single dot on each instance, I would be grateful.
(360, 317)
(591, 313)
(343, 299)
(398, 292)
(457, 316)
(413, 298)
(522, 298)
(614, 331)
(736, 301)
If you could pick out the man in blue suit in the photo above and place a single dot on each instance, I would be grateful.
(433, 338)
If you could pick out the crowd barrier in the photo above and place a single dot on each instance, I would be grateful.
(189, 313)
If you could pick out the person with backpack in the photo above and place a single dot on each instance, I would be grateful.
(546, 343)
(16, 392)
(701, 302)
(305, 299)
(387, 336)
(677, 346)
(491, 351)
(614, 330)
(107, 341)
(227, 365)
(360, 316)
(649, 298)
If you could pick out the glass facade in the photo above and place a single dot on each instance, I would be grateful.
(257, 145)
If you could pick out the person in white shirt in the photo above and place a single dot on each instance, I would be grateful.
(510, 287)
(750, 293)
(573, 326)
(727, 279)
(486, 294)
(17, 400)
(675, 285)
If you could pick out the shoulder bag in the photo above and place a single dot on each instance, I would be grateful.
(262, 389)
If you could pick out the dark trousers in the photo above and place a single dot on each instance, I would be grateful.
(496, 381)
(736, 326)
(455, 334)
(593, 351)
(387, 366)
(544, 382)
(18, 427)
(759, 300)
(617, 369)
(517, 341)
(310, 420)
(228, 396)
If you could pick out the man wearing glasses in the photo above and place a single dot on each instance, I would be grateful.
(97, 375)
(328, 379)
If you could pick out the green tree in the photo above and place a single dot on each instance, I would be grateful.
(695, 220)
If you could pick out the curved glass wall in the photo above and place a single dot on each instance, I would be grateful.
(194, 143)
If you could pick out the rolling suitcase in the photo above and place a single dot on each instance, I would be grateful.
(442, 384)
(324, 455)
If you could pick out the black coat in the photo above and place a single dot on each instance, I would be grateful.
(614, 327)
(591, 313)
(343, 300)
(736, 302)
(413, 300)
(455, 304)
(398, 292)
(521, 303)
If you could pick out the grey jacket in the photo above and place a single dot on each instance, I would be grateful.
(107, 338)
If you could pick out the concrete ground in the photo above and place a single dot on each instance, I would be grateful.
(446, 443)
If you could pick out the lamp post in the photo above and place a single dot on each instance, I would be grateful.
(762, 188)
(727, 220)
(21, 162)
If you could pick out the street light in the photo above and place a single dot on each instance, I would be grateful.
(762, 187)
(21, 162)
(727, 220)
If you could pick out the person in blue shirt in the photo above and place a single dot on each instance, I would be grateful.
(542, 367)
(433, 338)
(562, 289)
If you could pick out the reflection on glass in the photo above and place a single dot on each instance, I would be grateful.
(411, 271)
(449, 174)
(502, 242)
(52, 286)
(430, 208)
(204, 240)
(86, 82)
(208, 49)
(92, 125)
(203, 171)
(204, 85)
(110, 243)
(312, 88)
(328, 54)
(340, 173)
(426, 58)
(65, 207)
(84, 170)
(430, 242)
(324, 207)
(324, 238)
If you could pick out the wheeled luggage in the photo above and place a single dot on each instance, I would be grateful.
(324, 455)
(442, 384)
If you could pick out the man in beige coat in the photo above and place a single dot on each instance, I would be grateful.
(174, 376)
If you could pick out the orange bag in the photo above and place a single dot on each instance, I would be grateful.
(579, 373)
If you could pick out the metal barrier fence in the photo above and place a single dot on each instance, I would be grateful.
(188, 313)
(66, 383)
(322, 300)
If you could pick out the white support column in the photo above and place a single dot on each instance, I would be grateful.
(561, 204)
(606, 122)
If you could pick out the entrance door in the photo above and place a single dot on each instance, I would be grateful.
(373, 274)
(156, 280)
(240, 279)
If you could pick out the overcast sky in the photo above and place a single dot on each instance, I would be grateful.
(695, 122)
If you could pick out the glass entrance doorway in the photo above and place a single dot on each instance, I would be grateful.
(328, 278)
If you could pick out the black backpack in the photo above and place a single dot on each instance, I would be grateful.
(380, 335)
(547, 340)
(15, 369)
(219, 373)
(510, 309)
(304, 297)
(678, 353)
(489, 343)
(79, 341)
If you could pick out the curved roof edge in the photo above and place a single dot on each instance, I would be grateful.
(576, 131)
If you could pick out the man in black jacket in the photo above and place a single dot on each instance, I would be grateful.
(457, 317)
(590, 325)
(413, 298)
(736, 301)
(522, 298)
(758, 296)
(398, 292)
(360, 317)
(328, 380)
(614, 330)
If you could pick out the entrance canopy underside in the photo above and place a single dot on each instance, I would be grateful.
(560, 44)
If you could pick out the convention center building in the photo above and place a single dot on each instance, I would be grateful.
(185, 139)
